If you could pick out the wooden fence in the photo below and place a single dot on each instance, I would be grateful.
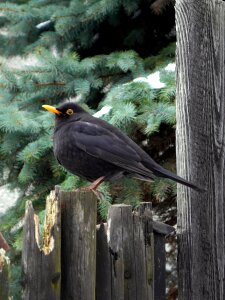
(121, 259)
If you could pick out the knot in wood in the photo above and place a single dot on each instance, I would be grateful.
(127, 274)
(56, 277)
(114, 254)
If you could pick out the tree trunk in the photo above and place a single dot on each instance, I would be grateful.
(201, 147)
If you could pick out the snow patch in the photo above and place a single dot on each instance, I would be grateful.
(7, 198)
(105, 110)
(153, 80)
(170, 67)
(108, 230)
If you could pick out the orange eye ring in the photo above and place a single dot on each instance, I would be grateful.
(69, 111)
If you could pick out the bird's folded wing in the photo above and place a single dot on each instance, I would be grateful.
(104, 144)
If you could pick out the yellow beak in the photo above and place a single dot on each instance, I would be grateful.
(52, 109)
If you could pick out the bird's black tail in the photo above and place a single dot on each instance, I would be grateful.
(161, 172)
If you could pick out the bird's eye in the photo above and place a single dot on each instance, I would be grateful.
(69, 112)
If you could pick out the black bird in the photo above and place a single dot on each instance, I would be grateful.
(97, 151)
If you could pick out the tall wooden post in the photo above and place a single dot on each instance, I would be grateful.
(79, 218)
(201, 147)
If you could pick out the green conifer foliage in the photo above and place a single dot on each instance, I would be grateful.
(96, 52)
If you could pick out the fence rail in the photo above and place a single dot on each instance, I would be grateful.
(77, 260)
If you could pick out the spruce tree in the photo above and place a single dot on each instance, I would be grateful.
(100, 54)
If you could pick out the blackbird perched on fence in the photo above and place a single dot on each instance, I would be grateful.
(97, 151)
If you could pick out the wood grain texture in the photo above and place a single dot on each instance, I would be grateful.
(41, 277)
(130, 241)
(162, 228)
(159, 266)
(103, 265)
(115, 238)
(144, 251)
(201, 147)
(78, 216)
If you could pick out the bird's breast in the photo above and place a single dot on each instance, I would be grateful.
(78, 161)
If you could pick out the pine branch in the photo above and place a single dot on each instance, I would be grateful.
(9, 10)
(50, 84)
(41, 84)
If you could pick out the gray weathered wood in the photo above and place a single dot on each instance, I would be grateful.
(4, 275)
(115, 239)
(131, 246)
(66, 262)
(78, 216)
(200, 147)
(144, 213)
(159, 267)
(103, 265)
(162, 228)
(41, 265)
(144, 260)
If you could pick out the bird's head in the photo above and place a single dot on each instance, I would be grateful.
(67, 111)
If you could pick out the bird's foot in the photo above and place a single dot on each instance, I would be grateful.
(93, 187)
(98, 194)
(96, 183)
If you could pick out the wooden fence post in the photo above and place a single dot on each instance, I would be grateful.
(65, 266)
(41, 265)
(4, 275)
(144, 251)
(160, 231)
(79, 218)
(126, 244)
(200, 135)
(103, 265)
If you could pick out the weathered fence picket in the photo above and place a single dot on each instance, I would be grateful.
(79, 218)
(41, 266)
(126, 242)
(160, 230)
(79, 261)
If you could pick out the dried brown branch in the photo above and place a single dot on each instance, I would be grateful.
(50, 83)
(8, 9)
(3, 243)
(159, 6)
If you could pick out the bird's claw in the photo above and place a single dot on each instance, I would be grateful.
(97, 193)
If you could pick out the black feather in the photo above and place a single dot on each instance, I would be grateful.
(91, 148)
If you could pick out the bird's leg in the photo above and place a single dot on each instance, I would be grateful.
(96, 183)
(93, 187)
